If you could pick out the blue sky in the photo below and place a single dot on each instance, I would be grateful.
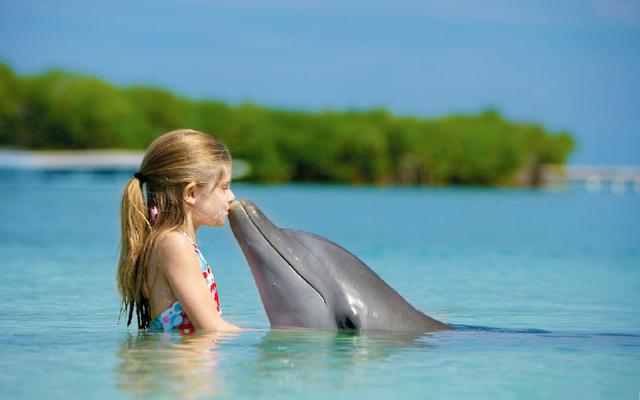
(571, 65)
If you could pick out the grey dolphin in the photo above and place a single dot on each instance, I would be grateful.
(307, 281)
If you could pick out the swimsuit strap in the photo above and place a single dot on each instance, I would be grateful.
(191, 240)
(203, 262)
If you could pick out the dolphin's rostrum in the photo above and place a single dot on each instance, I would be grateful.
(307, 281)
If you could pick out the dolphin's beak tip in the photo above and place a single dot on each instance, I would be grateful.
(235, 205)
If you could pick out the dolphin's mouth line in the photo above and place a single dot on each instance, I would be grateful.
(281, 255)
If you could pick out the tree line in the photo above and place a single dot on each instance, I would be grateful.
(60, 110)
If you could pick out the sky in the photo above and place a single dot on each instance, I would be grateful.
(568, 65)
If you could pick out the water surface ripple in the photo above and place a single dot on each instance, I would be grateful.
(542, 287)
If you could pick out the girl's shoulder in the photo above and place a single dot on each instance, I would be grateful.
(168, 239)
(175, 250)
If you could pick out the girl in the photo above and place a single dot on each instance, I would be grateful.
(162, 274)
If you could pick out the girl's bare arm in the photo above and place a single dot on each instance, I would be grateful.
(182, 270)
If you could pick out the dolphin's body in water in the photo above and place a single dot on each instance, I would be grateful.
(307, 281)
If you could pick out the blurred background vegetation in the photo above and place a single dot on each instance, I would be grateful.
(60, 110)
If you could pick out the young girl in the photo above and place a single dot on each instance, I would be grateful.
(185, 177)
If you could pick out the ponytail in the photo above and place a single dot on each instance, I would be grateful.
(135, 229)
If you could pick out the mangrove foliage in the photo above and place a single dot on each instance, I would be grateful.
(59, 110)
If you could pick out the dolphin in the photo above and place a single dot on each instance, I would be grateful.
(307, 281)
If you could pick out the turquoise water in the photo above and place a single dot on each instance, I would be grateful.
(543, 286)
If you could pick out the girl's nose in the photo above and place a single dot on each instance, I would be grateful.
(231, 197)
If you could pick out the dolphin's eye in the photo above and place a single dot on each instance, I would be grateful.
(348, 323)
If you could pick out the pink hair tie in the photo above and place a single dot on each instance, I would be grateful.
(154, 214)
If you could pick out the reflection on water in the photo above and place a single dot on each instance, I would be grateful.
(285, 347)
(171, 365)
(193, 366)
(293, 359)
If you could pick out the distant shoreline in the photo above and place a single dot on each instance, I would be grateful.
(58, 110)
(619, 178)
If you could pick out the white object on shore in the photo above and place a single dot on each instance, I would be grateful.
(75, 160)
(87, 160)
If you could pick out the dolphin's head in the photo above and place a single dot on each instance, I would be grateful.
(307, 281)
(294, 279)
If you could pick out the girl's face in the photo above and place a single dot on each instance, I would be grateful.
(211, 203)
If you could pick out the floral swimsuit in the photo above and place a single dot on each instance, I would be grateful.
(175, 317)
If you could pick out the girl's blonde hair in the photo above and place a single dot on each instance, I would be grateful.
(171, 162)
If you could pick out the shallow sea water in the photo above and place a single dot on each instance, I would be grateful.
(543, 287)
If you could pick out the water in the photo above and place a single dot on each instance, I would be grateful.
(543, 287)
